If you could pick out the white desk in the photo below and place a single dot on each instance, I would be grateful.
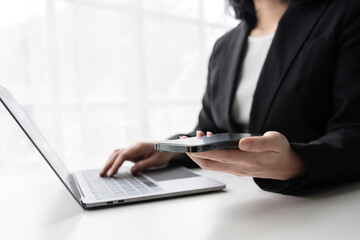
(243, 211)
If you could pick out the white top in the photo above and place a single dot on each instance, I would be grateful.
(256, 52)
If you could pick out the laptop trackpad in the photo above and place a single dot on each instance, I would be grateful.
(170, 174)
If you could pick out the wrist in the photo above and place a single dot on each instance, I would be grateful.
(298, 165)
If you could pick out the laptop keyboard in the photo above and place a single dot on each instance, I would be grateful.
(106, 188)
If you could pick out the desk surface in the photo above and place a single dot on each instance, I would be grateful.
(43, 209)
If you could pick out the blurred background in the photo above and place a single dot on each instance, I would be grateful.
(95, 75)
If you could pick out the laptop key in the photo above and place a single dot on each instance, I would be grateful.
(132, 193)
(119, 187)
(150, 184)
(97, 196)
(117, 190)
(157, 189)
(107, 195)
(121, 194)
(144, 190)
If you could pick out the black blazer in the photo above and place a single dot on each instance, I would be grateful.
(308, 90)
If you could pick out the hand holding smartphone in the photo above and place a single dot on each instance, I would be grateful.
(202, 144)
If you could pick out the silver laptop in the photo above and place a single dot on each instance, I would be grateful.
(90, 190)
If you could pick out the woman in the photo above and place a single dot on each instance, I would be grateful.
(289, 70)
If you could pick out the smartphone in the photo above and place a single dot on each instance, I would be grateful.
(202, 144)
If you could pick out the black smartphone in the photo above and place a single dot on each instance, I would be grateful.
(202, 144)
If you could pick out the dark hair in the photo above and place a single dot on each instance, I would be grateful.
(245, 9)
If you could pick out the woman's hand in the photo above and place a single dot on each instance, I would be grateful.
(142, 154)
(267, 156)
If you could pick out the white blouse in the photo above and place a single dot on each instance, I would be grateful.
(256, 52)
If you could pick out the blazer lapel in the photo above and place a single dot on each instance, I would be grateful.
(236, 56)
(293, 30)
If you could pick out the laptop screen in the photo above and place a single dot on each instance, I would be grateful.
(34, 135)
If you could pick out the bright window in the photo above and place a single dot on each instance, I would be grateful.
(96, 75)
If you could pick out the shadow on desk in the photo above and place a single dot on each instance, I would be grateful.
(69, 208)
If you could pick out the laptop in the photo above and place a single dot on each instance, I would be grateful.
(92, 191)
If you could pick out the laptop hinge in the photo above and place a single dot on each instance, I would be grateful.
(75, 188)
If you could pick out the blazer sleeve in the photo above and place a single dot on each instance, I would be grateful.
(206, 121)
(334, 157)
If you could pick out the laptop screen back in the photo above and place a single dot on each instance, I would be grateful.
(34, 135)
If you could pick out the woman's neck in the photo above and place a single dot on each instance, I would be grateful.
(268, 14)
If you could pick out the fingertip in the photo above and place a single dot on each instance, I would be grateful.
(270, 133)
(134, 170)
(111, 173)
(245, 144)
(103, 172)
(199, 133)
